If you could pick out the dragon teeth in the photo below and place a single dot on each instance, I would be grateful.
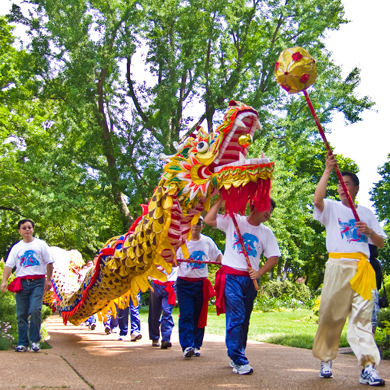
(243, 161)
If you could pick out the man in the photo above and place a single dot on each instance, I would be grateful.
(193, 289)
(162, 300)
(33, 261)
(349, 281)
(234, 283)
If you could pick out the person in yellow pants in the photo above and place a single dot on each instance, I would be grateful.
(349, 282)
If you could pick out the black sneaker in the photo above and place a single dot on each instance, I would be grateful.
(155, 343)
(166, 345)
(369, 376)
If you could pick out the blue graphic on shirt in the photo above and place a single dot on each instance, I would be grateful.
(28, 259)
(349, 231)
(199, 256)
(251, 242)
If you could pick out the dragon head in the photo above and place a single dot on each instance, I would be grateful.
(205, 162)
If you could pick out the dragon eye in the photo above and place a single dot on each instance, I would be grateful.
(202, 146)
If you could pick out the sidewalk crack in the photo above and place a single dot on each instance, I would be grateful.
(81, 377)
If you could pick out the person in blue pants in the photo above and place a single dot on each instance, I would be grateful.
(161, 303)
(122, 321)
(192, 286)
(34, 268)
(234, 286)
(91, 322)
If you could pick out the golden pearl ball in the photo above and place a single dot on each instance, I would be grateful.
(245, 140)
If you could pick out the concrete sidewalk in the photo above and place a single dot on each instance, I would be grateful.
(85, 359)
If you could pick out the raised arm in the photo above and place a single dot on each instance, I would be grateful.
(320, 191)
(211, 217)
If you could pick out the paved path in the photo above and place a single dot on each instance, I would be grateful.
(81, 359)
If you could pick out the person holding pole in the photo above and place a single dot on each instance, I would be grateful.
(234, 284)
(349, 281)
(194, 289)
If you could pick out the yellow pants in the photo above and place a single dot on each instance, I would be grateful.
(339, 301)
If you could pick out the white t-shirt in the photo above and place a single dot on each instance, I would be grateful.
(30, 258)
(342, 235)
(256, 239)
(203, 249)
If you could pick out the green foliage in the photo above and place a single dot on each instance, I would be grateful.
(8, 322)
(380, 195)
(287, 289)
(384, 325)
(384, 319)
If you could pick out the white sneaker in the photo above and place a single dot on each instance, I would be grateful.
(369, 376)
(135, 336)
(114, 330)
(21, 348)
(232, 365)
(35, 347)
(326, 369)
(121, 338)
(188, 352)
(244, 369)
(196, 352)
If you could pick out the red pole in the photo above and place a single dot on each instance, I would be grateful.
(322, 133)
(248, 262)
(197, 261)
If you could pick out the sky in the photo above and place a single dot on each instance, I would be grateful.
(361, 43)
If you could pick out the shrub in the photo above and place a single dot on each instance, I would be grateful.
(279, 296)
(384, 324)
(8, 322)
(288, 290)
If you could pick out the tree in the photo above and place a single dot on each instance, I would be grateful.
(380, 195)
(112, 122)
(38, 179)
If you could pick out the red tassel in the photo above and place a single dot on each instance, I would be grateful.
(257, 194)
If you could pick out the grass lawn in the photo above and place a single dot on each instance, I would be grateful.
(293, 328)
